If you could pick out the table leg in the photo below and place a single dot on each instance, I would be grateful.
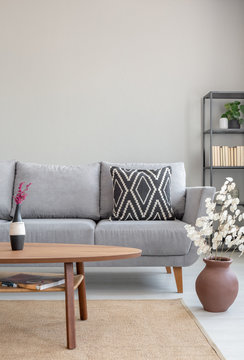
(82, 292)
(70, 305)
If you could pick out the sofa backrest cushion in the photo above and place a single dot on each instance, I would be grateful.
(59, 191)
(7, 170)
(178, 185)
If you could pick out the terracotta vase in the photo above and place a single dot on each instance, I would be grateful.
(217, 285)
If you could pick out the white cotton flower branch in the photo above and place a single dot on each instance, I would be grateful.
(226, 232)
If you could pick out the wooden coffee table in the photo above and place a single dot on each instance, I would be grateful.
(67, 254)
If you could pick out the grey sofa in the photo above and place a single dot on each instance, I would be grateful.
(72, 204)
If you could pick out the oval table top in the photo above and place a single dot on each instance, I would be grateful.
(63, 253)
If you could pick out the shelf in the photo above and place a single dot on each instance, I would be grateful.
(240, 204)
(209, 134)
(224, 167)
(225, 95)
(227, 131)
(4, 289)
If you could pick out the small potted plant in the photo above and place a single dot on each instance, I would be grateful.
(233, 114)
(214, 235)
(17, 226)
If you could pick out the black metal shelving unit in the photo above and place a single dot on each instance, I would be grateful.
(211, 96)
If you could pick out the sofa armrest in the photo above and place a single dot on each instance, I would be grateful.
(195, 202)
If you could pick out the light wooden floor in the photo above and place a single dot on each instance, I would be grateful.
(225, 329)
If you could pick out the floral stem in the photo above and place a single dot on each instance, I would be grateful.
(222, 248)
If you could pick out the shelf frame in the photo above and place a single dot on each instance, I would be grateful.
(223, 131)
(235, 95)
(225, 167)
(209, 97)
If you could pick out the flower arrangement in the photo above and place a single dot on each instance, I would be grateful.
(217, 229)
(21, 194)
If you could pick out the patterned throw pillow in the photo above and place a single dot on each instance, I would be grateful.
(141, 194)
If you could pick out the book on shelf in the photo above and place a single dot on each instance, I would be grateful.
(231, 157)
(234, 149)
(221, 155)
(32, 282)
(239, 159)
(227, 155)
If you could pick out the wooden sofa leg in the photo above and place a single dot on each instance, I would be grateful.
(168, 269)
(178, 278)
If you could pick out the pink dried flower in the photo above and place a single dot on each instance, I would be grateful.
(21, 194)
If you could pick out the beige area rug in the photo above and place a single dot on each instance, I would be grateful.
(115, 330)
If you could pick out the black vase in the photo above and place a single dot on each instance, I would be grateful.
(233, 124)
(17, 230)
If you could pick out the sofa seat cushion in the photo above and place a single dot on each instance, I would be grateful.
(73, 231)
(7, 170)
(153, 237)
(59, 191)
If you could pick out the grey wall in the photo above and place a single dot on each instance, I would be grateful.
(120, 80)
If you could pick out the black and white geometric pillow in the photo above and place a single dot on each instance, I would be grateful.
(141, 194)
